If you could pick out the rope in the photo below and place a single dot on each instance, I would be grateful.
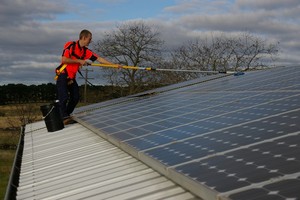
(48, 112)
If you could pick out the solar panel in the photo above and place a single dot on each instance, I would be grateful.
(230, 137)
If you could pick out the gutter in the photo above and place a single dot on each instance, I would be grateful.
(13, 182)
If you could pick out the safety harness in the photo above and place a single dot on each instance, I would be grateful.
(62, 67)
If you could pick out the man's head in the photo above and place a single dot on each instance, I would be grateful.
(85, 37)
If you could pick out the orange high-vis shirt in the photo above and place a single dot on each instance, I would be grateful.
(74, 51)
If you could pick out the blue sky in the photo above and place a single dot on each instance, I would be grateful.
(33, 32)
(115, 10)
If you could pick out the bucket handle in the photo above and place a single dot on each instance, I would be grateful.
(48, 112)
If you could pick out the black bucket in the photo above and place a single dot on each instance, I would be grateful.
(52, 118)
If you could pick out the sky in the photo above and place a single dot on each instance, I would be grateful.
(33, 32)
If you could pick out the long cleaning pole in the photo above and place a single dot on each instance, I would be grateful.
(159, 69)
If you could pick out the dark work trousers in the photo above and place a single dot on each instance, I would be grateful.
(68, 95)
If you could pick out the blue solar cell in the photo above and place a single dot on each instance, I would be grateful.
(224, 140)
(212, 176)
(257, 164)
(130, 133)
(163, 137)
(257, 193)
(286, 189)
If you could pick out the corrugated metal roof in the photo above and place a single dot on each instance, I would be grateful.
(76, 163)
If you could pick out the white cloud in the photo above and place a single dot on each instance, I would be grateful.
(267, 4)
(17, 12)
(199, 6)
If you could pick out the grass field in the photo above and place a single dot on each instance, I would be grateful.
(6, 160)
(11, 119)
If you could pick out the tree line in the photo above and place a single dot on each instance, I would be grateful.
(20, 93)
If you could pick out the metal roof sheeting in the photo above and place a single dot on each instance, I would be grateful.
(75, 163)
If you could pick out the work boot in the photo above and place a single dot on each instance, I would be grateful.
(69, 120)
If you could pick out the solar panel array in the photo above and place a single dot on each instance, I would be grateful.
(222, 137)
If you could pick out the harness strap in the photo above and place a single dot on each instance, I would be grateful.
(59, 69)
(73, 45)
(62, 67)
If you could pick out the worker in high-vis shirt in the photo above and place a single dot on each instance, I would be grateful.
(74, 56)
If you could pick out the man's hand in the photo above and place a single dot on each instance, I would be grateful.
(88, 62)
(66, 60)
(82, 62)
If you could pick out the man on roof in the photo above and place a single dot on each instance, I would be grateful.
(74, 56)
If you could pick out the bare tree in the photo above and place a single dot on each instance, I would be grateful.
(224, 53)
(133, 44)
(252, 51)
(23, 114)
